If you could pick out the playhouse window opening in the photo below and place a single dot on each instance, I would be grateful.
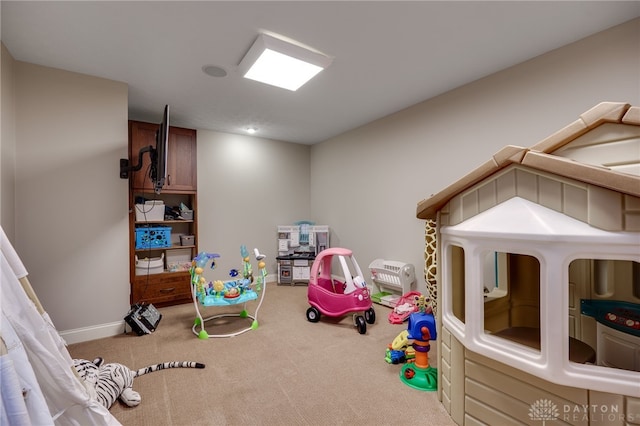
(457, 273)
(604, 311)
(512, 308)
(494, 275)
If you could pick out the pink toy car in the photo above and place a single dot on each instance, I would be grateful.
(335, 298)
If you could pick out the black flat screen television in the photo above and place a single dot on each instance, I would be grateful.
(157, 154)
(158, 172)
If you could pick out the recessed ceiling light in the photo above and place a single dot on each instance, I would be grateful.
(251, 130)
(282, 63)
(214, 71)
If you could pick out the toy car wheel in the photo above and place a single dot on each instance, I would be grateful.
(313, 315)
(361, 325)
(370, 315)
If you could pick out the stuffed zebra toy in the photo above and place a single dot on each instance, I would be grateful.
(109, 382)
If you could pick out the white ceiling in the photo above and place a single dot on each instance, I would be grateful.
(388, 55)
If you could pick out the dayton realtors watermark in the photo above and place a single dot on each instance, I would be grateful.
(545, 410)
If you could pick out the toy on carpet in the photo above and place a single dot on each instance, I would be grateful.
(399, 351)
(407, 305)
(107, 383)
(421, 328)
(243, 288)
(335, 298)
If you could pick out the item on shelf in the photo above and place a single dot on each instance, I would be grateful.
(185, 212)
(172, 213)
(150, 211)
(153, 237)
(147, 266)
(178, 260)
(187, 240)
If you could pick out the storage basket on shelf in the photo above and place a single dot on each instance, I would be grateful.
(155, 265)
(153, 237)
(187, 240)
(178, 260)
(150, 211)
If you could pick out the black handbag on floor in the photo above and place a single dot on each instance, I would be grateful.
(143, 318)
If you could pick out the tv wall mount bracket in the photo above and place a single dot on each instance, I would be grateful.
(125, 167)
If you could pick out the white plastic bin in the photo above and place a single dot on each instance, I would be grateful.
(155, 265)
(150, 211)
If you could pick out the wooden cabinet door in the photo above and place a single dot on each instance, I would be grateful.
(181, 170)
(181, 157)
(141, 135)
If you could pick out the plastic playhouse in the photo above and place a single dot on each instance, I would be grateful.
(236, 291)
(336, 298)
(538, 273)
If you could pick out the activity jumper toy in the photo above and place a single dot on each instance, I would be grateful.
(225, 293)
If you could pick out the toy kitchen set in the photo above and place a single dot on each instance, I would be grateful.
(298, 246)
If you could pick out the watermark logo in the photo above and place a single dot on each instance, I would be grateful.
(546, 410)
(543, 409)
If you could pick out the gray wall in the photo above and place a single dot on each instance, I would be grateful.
(70, 206)
(7, 143)
(366, 183)
(248, 186)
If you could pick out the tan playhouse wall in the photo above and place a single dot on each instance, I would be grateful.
(576, 199)
(451, 374)
(477, 390)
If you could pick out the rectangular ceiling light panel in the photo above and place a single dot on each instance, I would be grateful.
(279, 63)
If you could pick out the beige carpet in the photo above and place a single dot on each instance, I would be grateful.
(286, 372)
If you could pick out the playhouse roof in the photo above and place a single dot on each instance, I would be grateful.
(613, 159)
(524, 220)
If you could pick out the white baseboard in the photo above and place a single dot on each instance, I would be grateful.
(99, 331)
(79, 335)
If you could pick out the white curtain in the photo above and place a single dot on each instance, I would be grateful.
(13, 406)
(36, 350)
(23, 402)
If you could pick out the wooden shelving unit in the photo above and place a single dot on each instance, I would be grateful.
(167, 287)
